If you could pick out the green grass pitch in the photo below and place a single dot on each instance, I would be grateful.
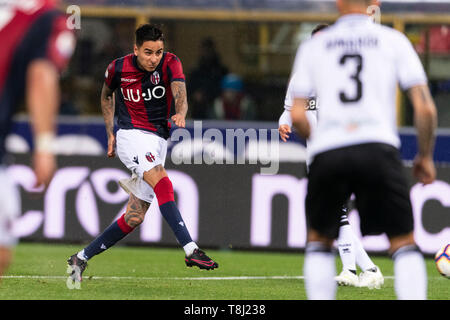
(141, 273)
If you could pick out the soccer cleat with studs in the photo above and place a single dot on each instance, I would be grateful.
(76, 267)
(347, 278)
(371, 278)
(199, 259)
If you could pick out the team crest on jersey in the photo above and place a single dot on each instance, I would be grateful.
(155, 78)
(150, 157)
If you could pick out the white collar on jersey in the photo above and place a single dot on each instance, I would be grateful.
(354, 17)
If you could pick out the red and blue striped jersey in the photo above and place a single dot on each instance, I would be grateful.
(144, 99)
(29, 30)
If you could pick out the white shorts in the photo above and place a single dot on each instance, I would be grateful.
(9, 209)
(140, 151)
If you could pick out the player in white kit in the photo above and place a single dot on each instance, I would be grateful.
(351, 250)
(354, 67)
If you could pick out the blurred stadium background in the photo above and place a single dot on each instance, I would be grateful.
(225, 206)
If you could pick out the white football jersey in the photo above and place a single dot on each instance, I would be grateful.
(354, 67)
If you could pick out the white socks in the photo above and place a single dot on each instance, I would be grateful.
(351, 250)
(346, 247)
(410, 274)
(81, 255)
(362, 258)
(319, 270)
(189, 248)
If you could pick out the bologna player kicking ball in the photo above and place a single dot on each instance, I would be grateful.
(145, 84)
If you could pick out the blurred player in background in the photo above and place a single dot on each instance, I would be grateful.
(145, 85)
(350, 248)
(36, 46)
(354, 67)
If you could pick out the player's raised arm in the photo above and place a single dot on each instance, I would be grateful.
(181, 105)
(425, 121)
(107, 103)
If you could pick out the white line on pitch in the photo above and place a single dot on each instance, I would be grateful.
(168, 278)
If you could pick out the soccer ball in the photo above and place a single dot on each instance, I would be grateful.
(442, 260)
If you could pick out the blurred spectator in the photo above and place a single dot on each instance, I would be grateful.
(67, 106)
(118, 44)
(204, 81)
(234, 103)
(438, 40)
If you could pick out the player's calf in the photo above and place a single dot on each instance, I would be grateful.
(136, 209)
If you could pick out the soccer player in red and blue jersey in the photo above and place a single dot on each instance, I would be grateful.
(145, 85)
(36, 46)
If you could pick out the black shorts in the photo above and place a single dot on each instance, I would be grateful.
(374, 173)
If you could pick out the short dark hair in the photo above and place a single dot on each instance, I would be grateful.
(319, 28)
(148, 32)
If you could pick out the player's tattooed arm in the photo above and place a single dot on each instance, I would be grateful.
(181, 105)
(108, 108)
(425, 118)
(107, 103)
(425, 121)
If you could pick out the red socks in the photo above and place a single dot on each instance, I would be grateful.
(164, 191)
(123, 225)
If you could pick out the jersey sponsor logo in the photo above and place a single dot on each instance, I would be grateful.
(150, 157)
(155, 78)
(127, 80)
(157, 92)
(312, 104)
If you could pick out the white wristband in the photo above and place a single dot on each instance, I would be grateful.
(45, 142)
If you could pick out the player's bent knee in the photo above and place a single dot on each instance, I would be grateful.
(315, 236)
(400, 241)
(154, 175)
